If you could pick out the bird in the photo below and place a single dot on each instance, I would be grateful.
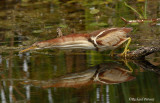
(103, 39)
(111, 38)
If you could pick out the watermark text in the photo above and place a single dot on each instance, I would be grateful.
(141, 99)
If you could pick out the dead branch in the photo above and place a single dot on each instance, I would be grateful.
(141, 52)
(140, 20)
(146, 65)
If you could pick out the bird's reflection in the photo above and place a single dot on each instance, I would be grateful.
(110, 73)
(105, 73)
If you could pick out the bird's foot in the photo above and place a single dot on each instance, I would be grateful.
(124, 54)
(112, 53)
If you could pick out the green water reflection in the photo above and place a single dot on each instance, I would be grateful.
(56, 76)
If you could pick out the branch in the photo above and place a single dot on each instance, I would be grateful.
(147, 66)
(141, 52)
(141, 20)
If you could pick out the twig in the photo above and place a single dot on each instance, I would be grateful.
(22, 95)
(140, 20)
(59, 32)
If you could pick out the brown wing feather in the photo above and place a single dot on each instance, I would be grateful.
(108, 30)
(110, 37)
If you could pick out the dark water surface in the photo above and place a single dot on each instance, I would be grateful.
(58, 76)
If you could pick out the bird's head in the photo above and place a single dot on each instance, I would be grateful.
(38, 45)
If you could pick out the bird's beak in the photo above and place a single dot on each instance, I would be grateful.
(30, 48)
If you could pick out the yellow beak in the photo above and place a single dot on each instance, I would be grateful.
(30, 48)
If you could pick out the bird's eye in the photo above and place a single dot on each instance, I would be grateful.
(37, 45)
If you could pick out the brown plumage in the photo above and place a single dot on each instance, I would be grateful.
(103, 39)
(110, 38)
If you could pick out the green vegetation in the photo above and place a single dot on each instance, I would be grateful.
(144, 12)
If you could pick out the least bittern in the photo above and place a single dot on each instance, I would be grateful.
(105, 39)
(108, 73)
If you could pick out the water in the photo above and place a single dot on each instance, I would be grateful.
(58, 76)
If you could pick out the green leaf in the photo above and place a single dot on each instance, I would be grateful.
(140, 16)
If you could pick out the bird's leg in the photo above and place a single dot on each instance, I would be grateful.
(112, 52)
(126, 63)
(126, 48)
